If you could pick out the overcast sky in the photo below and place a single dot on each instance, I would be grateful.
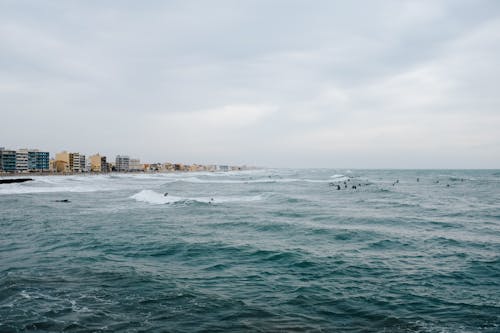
(346, 84)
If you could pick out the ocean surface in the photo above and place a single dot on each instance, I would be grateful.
(252, 251)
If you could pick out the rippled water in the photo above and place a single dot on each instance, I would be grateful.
(264, 250)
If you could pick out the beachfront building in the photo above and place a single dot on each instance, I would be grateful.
(52, 165)
(167, 166)
(87, 165)
(98, 163)
(60, 166)
(42, 160)
(32, 160)
(122, 163)
(211, 167)
(74, 162)
(224, 168)
(83, 165)
(135, 165)
(196, 167)
(95, 163)
(62, 162)
(38, 160)
(105, 167)
(69, 162)
(22, 160)
(7, 160)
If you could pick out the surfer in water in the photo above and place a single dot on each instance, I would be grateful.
(166, 193)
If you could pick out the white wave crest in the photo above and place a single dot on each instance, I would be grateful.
(254, 181)
(339, 178)
(19, 189)
(152, 197)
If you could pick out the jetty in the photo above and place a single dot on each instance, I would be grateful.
(14, 180)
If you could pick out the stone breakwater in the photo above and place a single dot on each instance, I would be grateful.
(14, 180)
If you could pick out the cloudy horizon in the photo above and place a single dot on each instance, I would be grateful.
(358, 84)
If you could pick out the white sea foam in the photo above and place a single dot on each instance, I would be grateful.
(17, 189)
(81, 183)
(252, 181)
(339, 178)
(114, 182)
(152, 197)
(24, 294)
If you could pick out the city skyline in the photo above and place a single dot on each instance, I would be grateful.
(25, 161)
(391, 84)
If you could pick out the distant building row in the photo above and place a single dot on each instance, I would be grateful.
(167, 167)
(33, 160)
(23, 160)
(76, 162)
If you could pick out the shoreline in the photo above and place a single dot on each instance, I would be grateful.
(36, 174)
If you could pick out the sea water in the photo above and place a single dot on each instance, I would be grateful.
(263, 250)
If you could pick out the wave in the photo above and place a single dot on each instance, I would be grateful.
(253, 181)
(339, 178)
(152, 197)
(28, 190)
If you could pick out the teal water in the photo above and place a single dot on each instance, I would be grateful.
(254, 251)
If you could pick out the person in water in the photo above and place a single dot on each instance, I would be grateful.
(338, 187)
(166, 193)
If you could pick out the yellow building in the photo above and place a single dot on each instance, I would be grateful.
(61, 166)
(62, 162)
(95, 163)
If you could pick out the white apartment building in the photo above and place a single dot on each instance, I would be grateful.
(74, 162)
(22, 160)
(135, 165)
(122, 163)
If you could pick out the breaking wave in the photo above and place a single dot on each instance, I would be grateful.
(339, 178)
(253, 181)
(152, 197)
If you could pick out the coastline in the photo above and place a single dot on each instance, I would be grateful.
(35, 174)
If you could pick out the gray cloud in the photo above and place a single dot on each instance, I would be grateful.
(280, 83)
